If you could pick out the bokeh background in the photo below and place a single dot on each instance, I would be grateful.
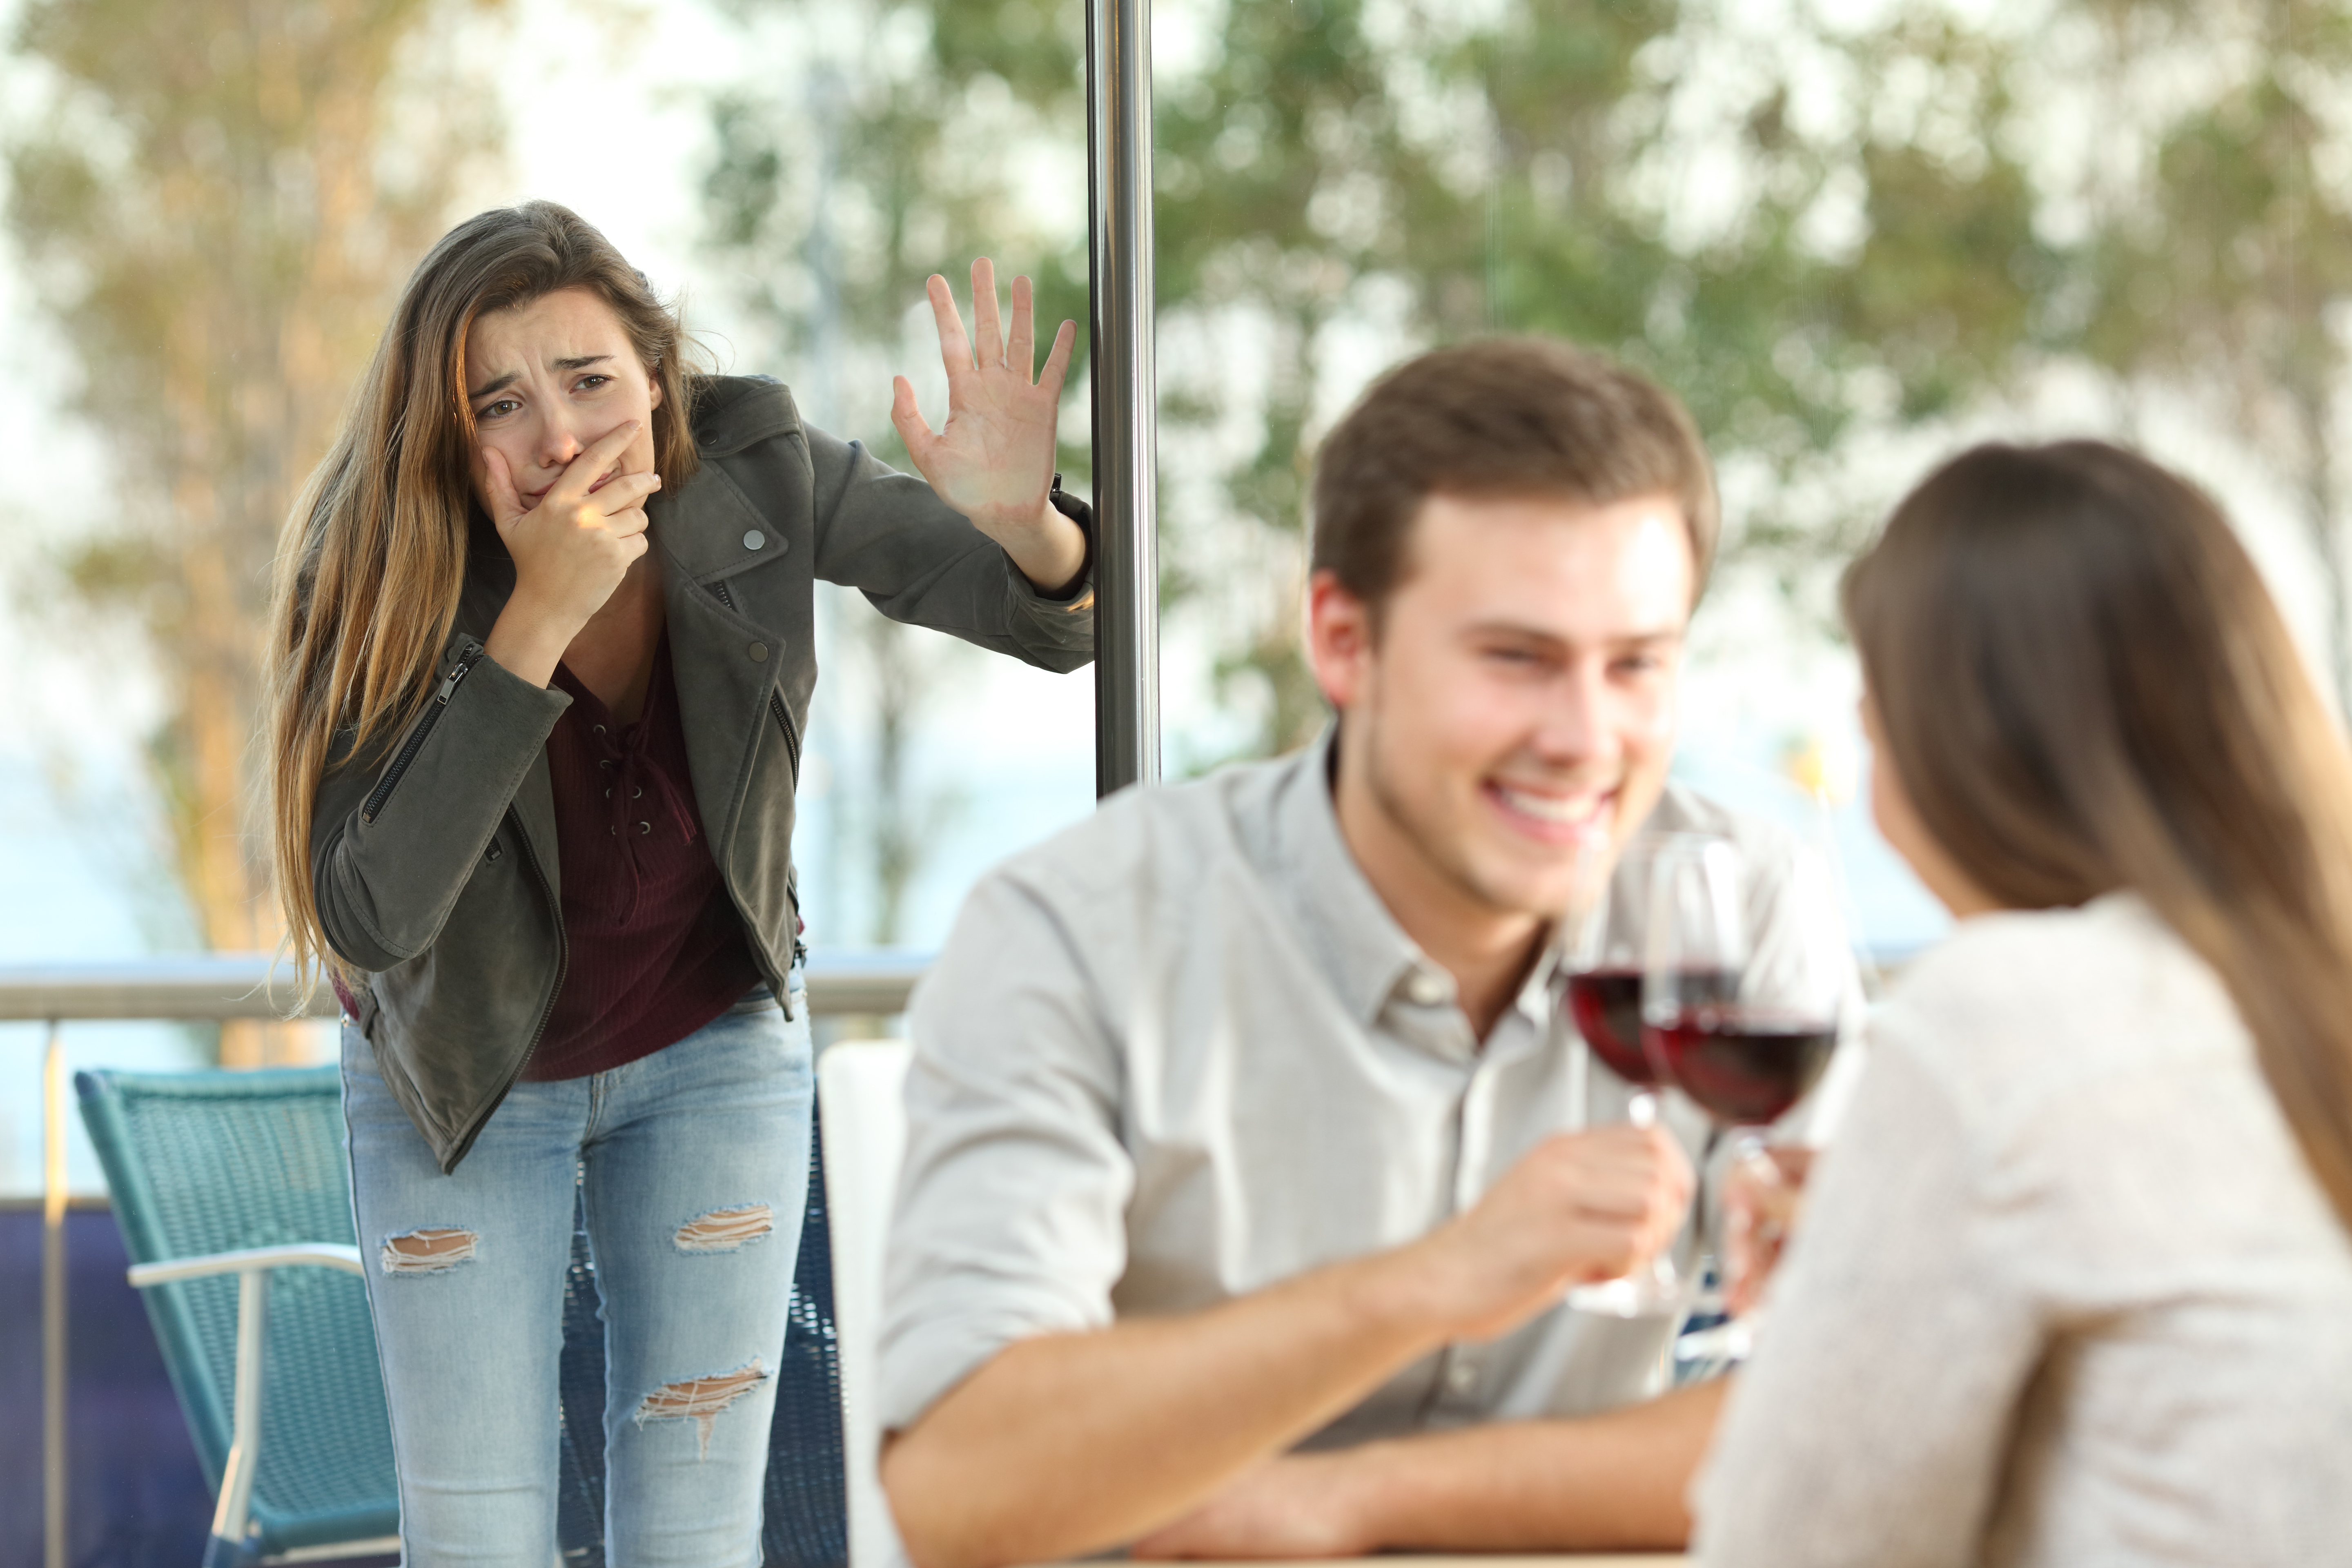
(1853, 234)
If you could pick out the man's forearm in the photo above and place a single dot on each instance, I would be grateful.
(1071, 1442)
(1613, 1481)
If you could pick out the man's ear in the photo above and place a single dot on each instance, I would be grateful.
(1340, 640)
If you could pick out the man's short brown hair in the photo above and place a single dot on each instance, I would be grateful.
(1502, 416)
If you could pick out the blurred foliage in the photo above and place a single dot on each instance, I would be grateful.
(2223, 264)
(1817, 232)
(1330, 163)
(215, 210)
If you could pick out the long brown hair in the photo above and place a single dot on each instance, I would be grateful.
(2083, 686)
(371, 562)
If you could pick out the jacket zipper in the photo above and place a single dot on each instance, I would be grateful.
(468, 655)
(792, 736)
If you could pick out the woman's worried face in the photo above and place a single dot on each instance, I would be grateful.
(545, 379)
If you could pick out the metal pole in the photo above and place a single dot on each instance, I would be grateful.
(1126, 425)
(53, 1299)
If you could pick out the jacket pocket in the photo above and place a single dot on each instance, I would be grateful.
(468, 657)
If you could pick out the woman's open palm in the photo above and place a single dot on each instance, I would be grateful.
(993, 459)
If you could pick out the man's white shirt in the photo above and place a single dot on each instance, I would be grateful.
(1182, 1051)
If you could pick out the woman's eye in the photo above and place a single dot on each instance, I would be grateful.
(592, 383)
(504, 405)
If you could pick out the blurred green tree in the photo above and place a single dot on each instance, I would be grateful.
(1821, 232)
(1631, 177)
(2217, 258)
(216, 215)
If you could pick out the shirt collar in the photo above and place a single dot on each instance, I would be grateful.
(1363, 950)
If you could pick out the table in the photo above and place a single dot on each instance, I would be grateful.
(1559, 1560)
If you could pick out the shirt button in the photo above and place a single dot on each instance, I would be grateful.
(1461, 1377)
(754, 540)
(1426, 989)
(759, 652)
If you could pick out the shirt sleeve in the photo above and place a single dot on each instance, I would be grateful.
(1011, 1212)
(1872, 1424)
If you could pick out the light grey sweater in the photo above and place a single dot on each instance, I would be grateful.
(2064, 1291)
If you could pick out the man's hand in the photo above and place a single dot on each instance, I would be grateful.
(1580, 1207)
(1299, 1505)
(993, 459)
(571, 550)
(1065, 1444)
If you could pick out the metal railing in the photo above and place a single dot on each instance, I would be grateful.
(243, 985)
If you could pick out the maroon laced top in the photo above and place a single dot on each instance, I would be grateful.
(657, 949)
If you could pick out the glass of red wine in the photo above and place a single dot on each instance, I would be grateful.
(1603, 972)
(1746, 974)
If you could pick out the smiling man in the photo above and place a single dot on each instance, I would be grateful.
(1243, 1182)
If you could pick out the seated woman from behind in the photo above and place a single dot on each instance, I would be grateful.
(2074, 1286)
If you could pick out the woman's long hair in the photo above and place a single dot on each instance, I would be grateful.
(373, 558)
(2083, 686)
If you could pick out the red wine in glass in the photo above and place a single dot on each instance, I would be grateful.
(1746, 1066)
(1607, 1006)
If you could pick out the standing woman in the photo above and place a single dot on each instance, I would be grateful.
(540, 662)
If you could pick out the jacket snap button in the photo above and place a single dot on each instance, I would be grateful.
(645, 827)
(759, 652)
(754, 540)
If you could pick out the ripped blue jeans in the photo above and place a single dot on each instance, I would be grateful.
(694, 1170)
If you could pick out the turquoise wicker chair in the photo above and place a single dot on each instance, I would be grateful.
(232, 1193)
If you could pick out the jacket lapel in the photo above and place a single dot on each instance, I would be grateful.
(724, 664)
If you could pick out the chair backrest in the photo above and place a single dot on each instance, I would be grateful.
(213, 1161)
(858, 1085)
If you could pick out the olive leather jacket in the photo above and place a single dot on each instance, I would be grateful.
(433, 856)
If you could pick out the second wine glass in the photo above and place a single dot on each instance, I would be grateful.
(1603, 966)
(1745, 979)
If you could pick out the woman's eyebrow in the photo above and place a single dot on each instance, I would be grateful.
(501, 383)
